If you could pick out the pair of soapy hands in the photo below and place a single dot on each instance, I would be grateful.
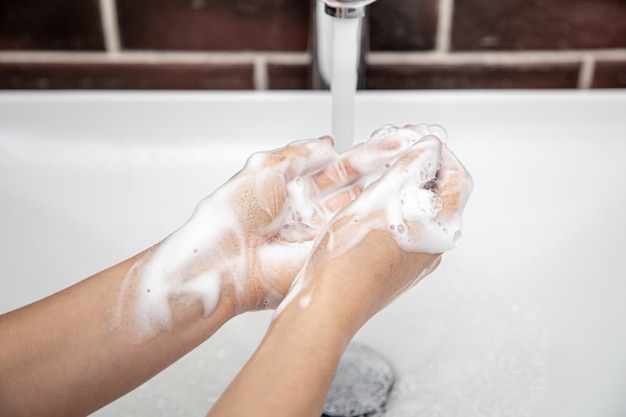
(378, 216)
(298, 208)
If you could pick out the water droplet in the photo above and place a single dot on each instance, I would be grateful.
(392, 227)
(401, 228)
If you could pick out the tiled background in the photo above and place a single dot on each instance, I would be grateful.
(263, 44)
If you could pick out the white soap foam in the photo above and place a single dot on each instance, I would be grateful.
(174, 269)
(409, 197)
(194, 262)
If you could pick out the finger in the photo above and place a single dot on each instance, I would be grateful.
(337, 201)
(427, 130)
(455, 185)
(402, 181)
(335, 176)
(370, 160)
(410, 205)
(299, 158)
(400, 189)
(387, 145)
(422, 161)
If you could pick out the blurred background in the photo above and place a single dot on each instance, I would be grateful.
(264, 44)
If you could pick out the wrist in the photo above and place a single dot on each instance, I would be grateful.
(325, 299)
(312, 314)
(362, 281)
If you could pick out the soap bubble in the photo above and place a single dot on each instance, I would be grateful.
(384, 131)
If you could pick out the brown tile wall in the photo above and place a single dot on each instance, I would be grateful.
(219, 25)
(258, 44)
(472, 76)
(124, 76)
(409, 25)
(51, 25)
(539, 24)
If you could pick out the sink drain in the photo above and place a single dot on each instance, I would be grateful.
(361, 385)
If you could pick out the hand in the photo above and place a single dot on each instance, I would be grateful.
(391, 236)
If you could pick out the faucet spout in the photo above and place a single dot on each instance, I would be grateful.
(346, 9)
(326, 11)
(338, 60)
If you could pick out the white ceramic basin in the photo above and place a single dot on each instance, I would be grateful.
(525, 318)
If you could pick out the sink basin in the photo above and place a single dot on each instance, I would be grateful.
(526, 317)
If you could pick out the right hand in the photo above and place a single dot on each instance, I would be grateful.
(391, 236)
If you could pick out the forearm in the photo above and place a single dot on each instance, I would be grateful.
(291, 371)
(65, 355)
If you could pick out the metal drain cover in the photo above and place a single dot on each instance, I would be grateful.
(361, 385)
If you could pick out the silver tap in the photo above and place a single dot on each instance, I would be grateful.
(321, 45)
(346, 9)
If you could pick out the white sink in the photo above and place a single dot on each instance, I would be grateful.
(525, 318)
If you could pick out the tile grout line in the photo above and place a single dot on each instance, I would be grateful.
(304, 58)
(444, 26)
(492, 57)
(260, 75)
(155, 57)
(587, 72)
(110, 28)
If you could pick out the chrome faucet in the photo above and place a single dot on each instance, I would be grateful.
(321, 41)
(346, 9)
